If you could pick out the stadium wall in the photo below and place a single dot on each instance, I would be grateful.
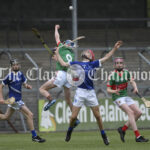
(30, 96)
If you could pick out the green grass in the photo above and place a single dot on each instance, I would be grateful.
(80, 141)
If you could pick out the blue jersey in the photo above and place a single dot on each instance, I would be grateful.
(14, 82)
(89, 68)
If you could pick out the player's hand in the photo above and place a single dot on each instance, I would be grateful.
(117, 91)
(2, 101)
(54, 57)
(118, 44)
(28, 86)
(57, 26)
(135, 90)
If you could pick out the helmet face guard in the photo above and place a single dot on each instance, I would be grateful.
(83, 55)
(70, 44)
(14, 62)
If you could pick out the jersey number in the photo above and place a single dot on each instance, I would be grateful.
(69, 57)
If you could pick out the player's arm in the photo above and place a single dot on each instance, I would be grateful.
(1, 94)
(109, 90)
(110, 84)
(133, 83)
(107, 56)
(54, 57)
(57, 36)
(4, 82)
(24, 82)
(65, 64)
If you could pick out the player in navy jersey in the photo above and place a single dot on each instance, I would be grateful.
(15, 79)
(85, 93)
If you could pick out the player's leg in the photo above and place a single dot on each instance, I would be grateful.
(69, 102)
(92, 102)
(97, 115)
(45, 87)
(68, 97)
(59, 81)
(29, 116)
(44, 91)
(137, 114)
(136, 110)
(122, 130)
(132, 122)
(128, 105)
(8, 114)
(75, 111)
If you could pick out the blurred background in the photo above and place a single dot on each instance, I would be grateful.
(102, 23)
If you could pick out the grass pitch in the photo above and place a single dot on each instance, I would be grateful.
(79, 141)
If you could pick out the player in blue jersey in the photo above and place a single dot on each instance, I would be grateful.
(15, 79)
(85, 93)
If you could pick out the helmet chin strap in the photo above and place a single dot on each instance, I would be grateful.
(84, 56)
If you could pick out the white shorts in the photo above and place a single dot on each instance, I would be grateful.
(61, 79)
(124, 100)
(17, 105)
(84, 96)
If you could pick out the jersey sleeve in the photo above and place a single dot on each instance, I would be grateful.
(96, 64)
(6, 80)
(72, 63)
(24, 79)
(59, 44)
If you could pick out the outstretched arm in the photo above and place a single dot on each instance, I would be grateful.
(60, 59)
(107, 56)
(57, 36)
(1, 94)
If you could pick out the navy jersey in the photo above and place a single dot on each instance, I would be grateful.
(89, 68)
(14, 82)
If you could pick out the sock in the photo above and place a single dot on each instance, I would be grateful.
(137, 134)
(124, 128)
(70, 128)
(33, 133)
(102, 132)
